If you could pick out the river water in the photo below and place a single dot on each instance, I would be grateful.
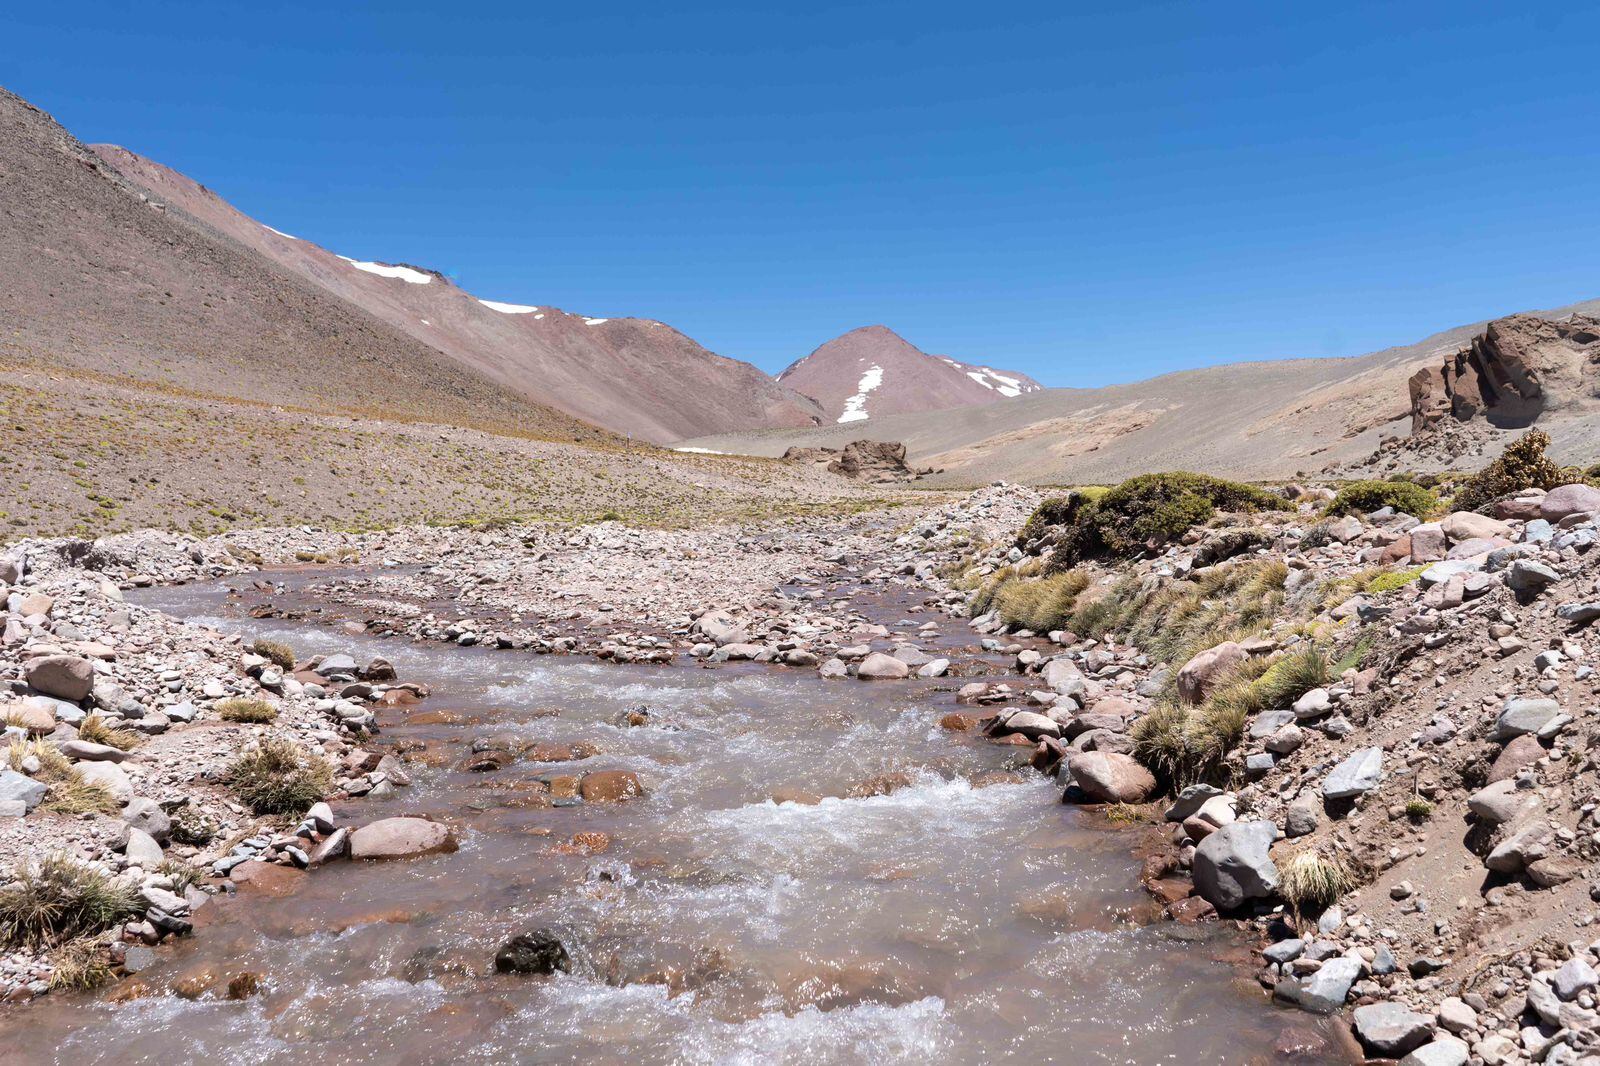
(965, 916)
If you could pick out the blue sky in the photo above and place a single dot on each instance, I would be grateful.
(1086, 195)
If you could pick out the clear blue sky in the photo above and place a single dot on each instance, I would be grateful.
(1086, 195)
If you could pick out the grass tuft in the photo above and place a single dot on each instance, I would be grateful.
(276, 777)
(96, 730)
(69, 792)
(60, 900)
(278, 652)
(81, 966)
(246, 709)
(1311, 883)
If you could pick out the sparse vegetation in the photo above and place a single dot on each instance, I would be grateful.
(60, 900)
(1391, 580)
(96, 730)
(1311, 882)
(1364, 497)
(192, 826)
(1226, 601)
(1145, 512)
(278, 652)
(1522, 465)
(276, 777)
(80, 966)
(1418, 809)
(1040, 604)
(69, 792)
(246, 709)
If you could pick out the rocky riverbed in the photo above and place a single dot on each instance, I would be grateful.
(1449, 772)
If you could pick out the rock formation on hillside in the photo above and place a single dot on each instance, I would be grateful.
(1510, 374)
(875, 461)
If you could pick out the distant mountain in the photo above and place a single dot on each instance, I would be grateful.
(873, 371)
(1276, 419)
(630, 375)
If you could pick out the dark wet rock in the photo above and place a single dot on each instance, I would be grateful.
(538, 952)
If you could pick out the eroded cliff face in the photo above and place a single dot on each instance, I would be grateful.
(1514, 371)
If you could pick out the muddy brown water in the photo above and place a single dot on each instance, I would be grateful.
(940, 922)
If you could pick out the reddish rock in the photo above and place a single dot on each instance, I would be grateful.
(1201, 674)
(1170, 889)
(1191, 910)
(957, 722)
(1521, 753)
(66, 677)
(1111, 777)
(610, 786)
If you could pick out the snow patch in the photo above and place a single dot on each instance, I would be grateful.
(508, 309)
(595, 321)
(1007, 387)
(855, 408)
(279, 232)
(700, 451)
(383, 270)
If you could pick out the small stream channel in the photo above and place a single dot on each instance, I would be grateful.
(940, 922)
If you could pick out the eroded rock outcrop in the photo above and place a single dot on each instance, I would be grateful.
(1515, 370)
(875, 461)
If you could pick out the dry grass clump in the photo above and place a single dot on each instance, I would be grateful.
(181, 874)
(278, 652)
(1040, 604)
(277, 777)
(62, 899)
(246, 709)
(1173, 621)
(96, 730)
(1311, 882)
(69, 792)
(81, 966)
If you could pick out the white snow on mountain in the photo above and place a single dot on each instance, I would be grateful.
(855, 408)
(508, 309)
(383, 270)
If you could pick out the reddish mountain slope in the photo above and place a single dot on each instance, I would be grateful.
(630, 375)
(100, 280)
(873, 371)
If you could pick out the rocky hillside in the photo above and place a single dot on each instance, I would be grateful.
(1261, 420)
(872, 372)
(630, 375)
(1370, 735)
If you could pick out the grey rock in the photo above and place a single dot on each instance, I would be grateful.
(1232, 865)
(147, 816)
(1574, 978)
(1521, 716)
(1325, 991)
(1445, 1051)
(22, 788)
(1528, 578)
(1390, 1029)
(1359, 773)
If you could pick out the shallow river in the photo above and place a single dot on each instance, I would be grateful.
(940, 922)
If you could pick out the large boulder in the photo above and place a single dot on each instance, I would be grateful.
(1520, 716)
(21, 788)
(1201, 674)
(66, 677)
(1468, 525)
(1233, 866)
(881, 667)
(1111, 777)
(1566, 500)
(401, 838)
(1063, 677)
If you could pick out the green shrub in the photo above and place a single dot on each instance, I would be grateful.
(245, 709)
(278, 652)
(276, 777)
(1522, 465)
(1148, 511)
(1390, 580)
(1418, 808)
(1364, 497)
(63, 899)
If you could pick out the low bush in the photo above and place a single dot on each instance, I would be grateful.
(276, 777)
(1364, 497)
(60, 900)
(1522, 465)
(245, 709)
(1145, 512)
(278, 652)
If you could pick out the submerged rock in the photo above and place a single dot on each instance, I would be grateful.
(538, 952)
